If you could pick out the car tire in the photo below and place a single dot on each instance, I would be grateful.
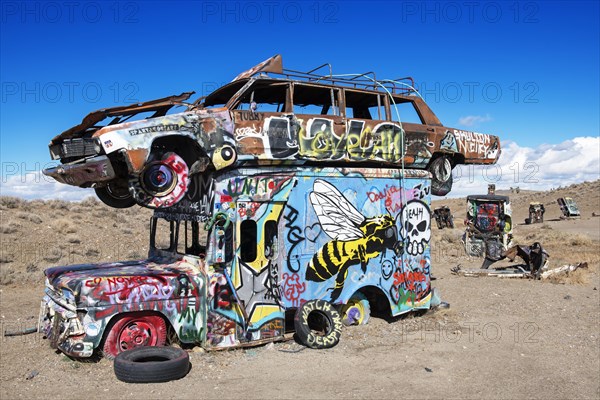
(134, 330)
(115, 195)
(441, 171)
(318, 324)
(356, 311)
(163, 181)
(152, 364)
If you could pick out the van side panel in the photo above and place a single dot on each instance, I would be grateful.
(348, 231)
(320, 233)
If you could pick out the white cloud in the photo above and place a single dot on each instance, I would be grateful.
(473, 120)
(543, 167)
(38, 186)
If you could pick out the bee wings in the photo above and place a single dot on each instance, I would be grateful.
(338, 218)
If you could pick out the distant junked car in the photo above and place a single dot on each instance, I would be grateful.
(568, 207)
(489, 226)
(536, 213)
(443, 217)
(266, 116)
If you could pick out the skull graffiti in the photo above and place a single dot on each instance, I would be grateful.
(416, 232)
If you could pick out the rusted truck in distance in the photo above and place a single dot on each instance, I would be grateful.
(268, 115)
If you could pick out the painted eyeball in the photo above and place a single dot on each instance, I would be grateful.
(224, 156)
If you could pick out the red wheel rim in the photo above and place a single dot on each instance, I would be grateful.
(136, 334)
(135, 331)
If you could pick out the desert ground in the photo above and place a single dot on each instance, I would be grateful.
(500, 338)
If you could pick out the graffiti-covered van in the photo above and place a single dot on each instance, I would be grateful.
(252, 254)
(146, 153)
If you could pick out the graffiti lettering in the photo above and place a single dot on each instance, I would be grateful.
(246, 131)
(294, 237)
(293, 288)
(392, 196)
(473, 142)
(273, 290)
(251, 116)
(255, 186)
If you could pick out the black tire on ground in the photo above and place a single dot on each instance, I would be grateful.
(527, 221)
(441, 171)
(318, 324)
(152, 364)
(115, 195)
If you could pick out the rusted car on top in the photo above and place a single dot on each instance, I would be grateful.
(267, 115)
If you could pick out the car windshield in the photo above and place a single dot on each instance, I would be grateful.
(222, 95)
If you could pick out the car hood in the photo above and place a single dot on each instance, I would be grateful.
(115, 282)
(158, 106)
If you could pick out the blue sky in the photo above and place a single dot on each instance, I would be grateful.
(527, 71)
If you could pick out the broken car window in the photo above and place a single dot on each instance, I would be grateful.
(364, 105)
(264, 97)
(315, 100)
(406, 109)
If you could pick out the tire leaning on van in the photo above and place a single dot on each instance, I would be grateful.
(152, 364)
(318, 324)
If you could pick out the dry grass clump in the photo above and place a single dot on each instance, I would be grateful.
(449, 238)
(73, 239)
(8, 202)
(10, 227)
(578, 277)
(580, 240)
(64, 225)
(59, 205)
(52, 255)
(90, 202)
(36, 219)
(7, 276)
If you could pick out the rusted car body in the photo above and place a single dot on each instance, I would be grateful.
(443, 217)
(489, 226)
(536, 213)
(568, 207)
(265, 116)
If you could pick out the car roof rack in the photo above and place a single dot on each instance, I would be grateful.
(367, 80)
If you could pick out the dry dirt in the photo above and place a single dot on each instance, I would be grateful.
(501, 338)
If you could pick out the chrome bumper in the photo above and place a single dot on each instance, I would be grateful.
(93, 170)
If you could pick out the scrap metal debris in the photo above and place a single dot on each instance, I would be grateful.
(25, 331)
(535, 261)
(499, 273)
(565, 270)
(535, 257)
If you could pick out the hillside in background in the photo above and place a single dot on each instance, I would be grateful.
(39, 234)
